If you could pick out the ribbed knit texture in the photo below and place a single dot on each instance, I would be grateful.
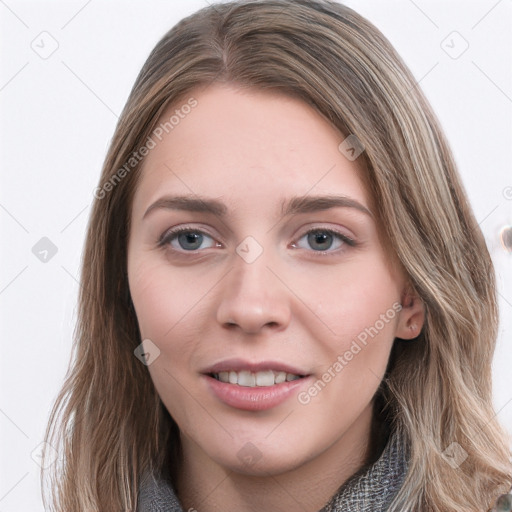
(370, 490)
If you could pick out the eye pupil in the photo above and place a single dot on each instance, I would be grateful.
(320, 237)
(190, 237)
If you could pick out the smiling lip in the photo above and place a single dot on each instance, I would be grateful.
(238, 365)
(258, 398)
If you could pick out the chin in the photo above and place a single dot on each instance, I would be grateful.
(262, 464)
(261, 456)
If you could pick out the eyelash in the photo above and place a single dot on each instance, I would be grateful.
(168, 236)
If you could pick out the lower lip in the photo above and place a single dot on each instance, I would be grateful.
(259, 398)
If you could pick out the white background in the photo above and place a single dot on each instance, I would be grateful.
(57, 118)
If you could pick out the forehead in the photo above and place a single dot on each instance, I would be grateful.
(248, 145)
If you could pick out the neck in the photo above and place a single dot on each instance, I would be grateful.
(203, 484)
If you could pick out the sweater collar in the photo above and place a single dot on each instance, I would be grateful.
(372, 489)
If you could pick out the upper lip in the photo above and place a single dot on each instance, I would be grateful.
(238, 365)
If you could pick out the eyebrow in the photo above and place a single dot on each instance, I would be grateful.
(295, 205)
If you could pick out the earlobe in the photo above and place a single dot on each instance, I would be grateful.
(412, 316)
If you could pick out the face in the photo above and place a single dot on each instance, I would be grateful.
(268, 313)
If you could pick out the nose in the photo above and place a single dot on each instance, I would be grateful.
(253, 297)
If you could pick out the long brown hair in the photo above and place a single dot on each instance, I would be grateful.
(108, 423)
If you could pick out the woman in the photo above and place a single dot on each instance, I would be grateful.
(325, 342)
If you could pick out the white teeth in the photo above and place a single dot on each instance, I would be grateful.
(265, 378)
(249, 379)
(280, 377)
(246, 378)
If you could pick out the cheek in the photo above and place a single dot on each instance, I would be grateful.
(353, 299)
(168, 307)
(360, 306)
(165, 301)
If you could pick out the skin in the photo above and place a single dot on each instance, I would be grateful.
(295, 303)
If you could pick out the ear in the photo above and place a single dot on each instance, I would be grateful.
(412, 315)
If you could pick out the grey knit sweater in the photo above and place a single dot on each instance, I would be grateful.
(370, 490)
